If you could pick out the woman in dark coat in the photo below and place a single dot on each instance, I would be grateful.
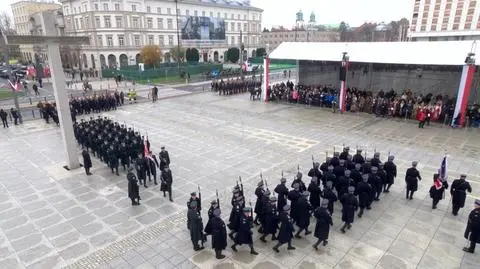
(87, 162)
(437, 190)
(324, 221)
(472, 232)
(133, 189)
(286, 230)
(219, 234)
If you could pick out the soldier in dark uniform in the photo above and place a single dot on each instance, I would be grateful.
(123, 154)
(342, 184)
(113, 159)
(329, 176)
(344, 154)
(213, 206)
(141, 170)
(235, 216)
(376, 182)
(194, 197)
(195, 225)
(152, 167)
(271, 220)
(472, 231)
(285, 233)
(282, 192)
(87, 162)
(324, 166)
(133, 189)
(294, 195)
(349, 179)
(339, 170)
(329, 195)
(315, 171)
(357, 173)
(298, 179)
(437, 190)
(349, 164)
(391, 170)
(412, 177)
(376, 159)
(349, 206)
(358, 158)
(219, 234)
(458, 191)
(304, 208)
(315, 192)
(167, 181)
(322, 227)
(164, 158)
(244, 231)
(335, 161)
(259, 191)
(367, 166)
(364, 192)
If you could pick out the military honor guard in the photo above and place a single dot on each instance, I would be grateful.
(195, 226)
(458, 191)
(285, 233)
(244, 231)
(412, 177)
(322, 227)
(472, 231)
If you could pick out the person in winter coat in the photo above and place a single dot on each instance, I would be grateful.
(195, 225)
(472, 231)
(412, 176)
(324, 221)
(315, 191)
(458, 190)
(244, 231)
(349, 206)
(364, 192)
(285, 233)
(219, 234)
(303, 208)
(271, 220)
(282, 192)
(87, 162)
(133, 188)
(437, 190)
(329, 195)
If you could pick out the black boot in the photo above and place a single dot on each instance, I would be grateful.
(234, 248)
(219, 255)
(262, 238)
(253, 252)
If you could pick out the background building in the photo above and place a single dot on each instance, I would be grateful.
(22, 12)
(275, 37)
(441, 20)
(118, 29)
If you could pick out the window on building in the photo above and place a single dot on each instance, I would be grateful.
(150, 40)
(187, 12)
(134, 8)
(135, 23)
(149, 23)
(232, 16)
(77, 26)
(254, 17)
(109, 40)
(244, 17)
(74, 10)
(161, 40)
(136, 40)
(232, 26)
(99, 40)
(239, 26)
(159, 10)
(87, 22)
(169, 24)
(160, 23)
(169, 11)
(204, 13)
(82, 25)
(117, 7)
(245, 27)
(211, 14)
(170, 40)
(96, 7)
(85, 7)
(119, 22)
(105, 6)
(195, 13)
(69, 24)
(108, 23)
(121, 40)
(232, 39)
(238, 16)
(178, 11)
(148, 9)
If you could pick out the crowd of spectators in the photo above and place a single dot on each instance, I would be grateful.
(401, 104)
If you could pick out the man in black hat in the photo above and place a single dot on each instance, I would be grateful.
(285, 233)
(376, 183)
(344, 154)
(235, 215)
(244, 231)
(391, 170)
(329, 176)
(194, 197)
(301, 184)
(315, 191)
(258, 204)
(195, 225)
(141, 169)
(303, 220)
(315, 171)
(219, 234)
(358, 158)
(133, 189)
(365, 194)
(349, 206)
(213, 206)
(294, 195)
(458, 191)
(472, 231)
(282, 192)
(329, 195)
(167, 181)
(376, 159)
(113, 159)
(152, 164)
(322, 227)
(270, 225)
(164, 158)
(412, 177)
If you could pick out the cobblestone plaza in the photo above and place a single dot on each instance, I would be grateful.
(54, 218)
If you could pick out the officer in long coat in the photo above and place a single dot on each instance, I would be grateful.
(315, 171)
(244, 231)
(282, 192)
(133, 189)
(87, 162)
(167, 181)
(458, 191)
(322, 227)
(349, 206)
(412, 176)
(358, 158)
(124, 157)
(213, 206)
(140, 167)
(113, 159)
(271, 220)
(235, 215)
(285, 233)
(356, 174)
(294, 195)
(152, 164)
(315, 191)
(195, 225)
(391, 170)
(219, 234)
(364, 191)
(376, 181)
(472, 231)
(164, 158)
(304, 208)
(329, 195)
(258, 204)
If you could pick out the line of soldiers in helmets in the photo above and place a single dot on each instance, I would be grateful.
(355, 181)
(231, 86)
(96, 103)
(116, 145)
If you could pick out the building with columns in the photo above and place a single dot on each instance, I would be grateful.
(443, 20)
(118, 29)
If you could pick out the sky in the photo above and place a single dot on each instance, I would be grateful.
(353, 12)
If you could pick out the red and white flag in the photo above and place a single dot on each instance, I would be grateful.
(146, 152)
(15, 86)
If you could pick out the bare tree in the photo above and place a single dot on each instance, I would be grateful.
(6, 24)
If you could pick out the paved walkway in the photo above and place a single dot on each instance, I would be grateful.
(52, 218)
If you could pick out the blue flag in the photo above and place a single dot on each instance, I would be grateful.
(443, 169)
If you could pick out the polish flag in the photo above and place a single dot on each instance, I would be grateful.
(146, 152)
(16, 86)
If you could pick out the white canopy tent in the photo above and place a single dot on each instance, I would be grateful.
(415, 53)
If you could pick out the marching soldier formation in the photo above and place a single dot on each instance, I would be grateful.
(231, 86)
(355, 181)
(116, 145)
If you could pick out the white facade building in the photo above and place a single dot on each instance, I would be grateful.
(118, 29)
(443, 20)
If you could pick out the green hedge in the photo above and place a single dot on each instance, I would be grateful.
(165, 70)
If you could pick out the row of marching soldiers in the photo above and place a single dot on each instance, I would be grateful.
(342, 177)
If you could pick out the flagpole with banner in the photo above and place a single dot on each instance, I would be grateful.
(443, 169)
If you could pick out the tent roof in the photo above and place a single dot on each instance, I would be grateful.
(416, 53)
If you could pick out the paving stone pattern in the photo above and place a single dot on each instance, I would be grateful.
(53, 218)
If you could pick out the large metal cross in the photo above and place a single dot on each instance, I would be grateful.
(58, 79)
